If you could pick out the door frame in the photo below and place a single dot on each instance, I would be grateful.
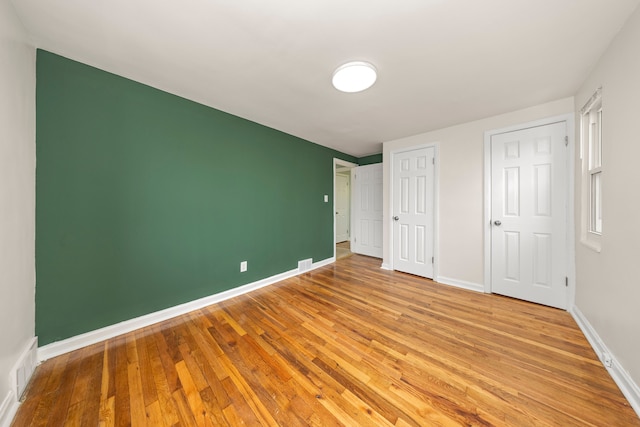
(569, 119)
(339, 162)
(436, 198)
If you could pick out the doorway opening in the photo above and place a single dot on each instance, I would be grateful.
(342, 208)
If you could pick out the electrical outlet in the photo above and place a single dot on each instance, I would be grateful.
(243, 266)
(607, 360)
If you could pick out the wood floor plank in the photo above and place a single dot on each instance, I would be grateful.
(74, 415)
(144, 364)
(136, 397)
(195, 372)
(192, 394)
(238, 412)
(187, 417)
(107, 413)
(58, 414)
(164, 353)
(40, 416)
(92, 388)
(344, 345)
(160, 377)
(213, 407)
(122, 402)
(252, 399)
(106, 407)
(38, 382)
(154, 414)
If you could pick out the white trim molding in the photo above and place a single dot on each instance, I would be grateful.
(76, 342)
(8, 408)
(623, 380)
(597, 95)
(477, 287)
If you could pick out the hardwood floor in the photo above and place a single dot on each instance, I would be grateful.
(343, 250)
(348, 344)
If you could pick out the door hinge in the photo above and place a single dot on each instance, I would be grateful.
(433, 160)
(566, 281)
(566, 140)
(432, 260)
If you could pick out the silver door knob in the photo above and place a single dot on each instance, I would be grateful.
(396, 218)
(498, 223)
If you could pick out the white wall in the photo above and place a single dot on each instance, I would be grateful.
(608, 283)
(17, 196)
(460, 250)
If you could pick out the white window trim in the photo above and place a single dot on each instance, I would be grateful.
(589, 238)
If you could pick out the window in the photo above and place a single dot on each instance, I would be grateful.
(591, 154)
(595, 168)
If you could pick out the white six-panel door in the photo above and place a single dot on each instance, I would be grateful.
(366, 232)
(528, 214)
(413, 211)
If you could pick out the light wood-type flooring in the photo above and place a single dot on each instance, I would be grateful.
(347, 344)
(343, 250)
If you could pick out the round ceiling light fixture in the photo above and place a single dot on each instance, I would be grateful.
(354, 76)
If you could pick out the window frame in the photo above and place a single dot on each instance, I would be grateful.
(591, 144)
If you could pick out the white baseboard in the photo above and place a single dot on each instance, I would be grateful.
(627, 386)
(385, 266)
(460, 284)
(74, 343)
(323, 263)
(8, 409)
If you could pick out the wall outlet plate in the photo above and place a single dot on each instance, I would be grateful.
(243, 266)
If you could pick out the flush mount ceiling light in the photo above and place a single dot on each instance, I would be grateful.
(354, 76)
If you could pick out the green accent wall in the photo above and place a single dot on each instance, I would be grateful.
(369, 160)
(146, 200)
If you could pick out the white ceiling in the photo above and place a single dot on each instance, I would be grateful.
(440, 62)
